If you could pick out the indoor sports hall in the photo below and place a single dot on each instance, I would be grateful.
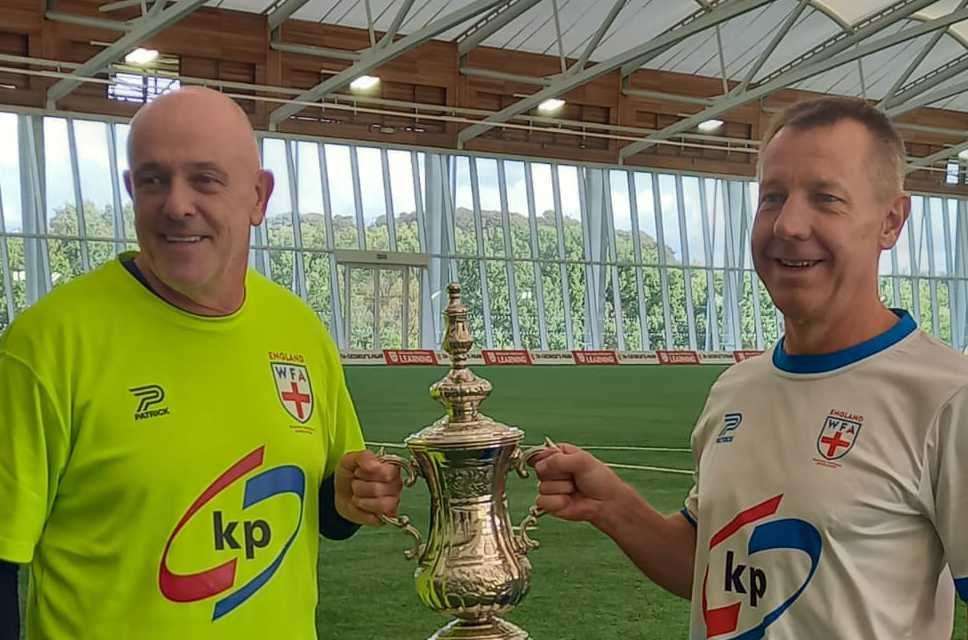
(586, 170)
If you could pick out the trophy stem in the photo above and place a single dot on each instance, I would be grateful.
(488, 629)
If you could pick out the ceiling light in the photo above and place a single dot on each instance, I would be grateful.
(952, 170)
(140, 57)
(710, 125)
(551, 105)
(364, 83)
(963, 154)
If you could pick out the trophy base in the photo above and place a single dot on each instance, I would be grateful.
(491, 629)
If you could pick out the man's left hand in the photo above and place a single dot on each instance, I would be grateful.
(367, 488)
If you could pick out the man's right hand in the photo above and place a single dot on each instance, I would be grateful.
(574, 485)
(577, 486)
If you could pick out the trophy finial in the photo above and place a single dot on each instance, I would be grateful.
(461, 392)
(457, 337)
(453, 289)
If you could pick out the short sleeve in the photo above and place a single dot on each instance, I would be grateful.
(950, 486)
(691, 509)
(34, 445)
(345, 432)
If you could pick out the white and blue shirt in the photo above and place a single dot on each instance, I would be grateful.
(831, 493)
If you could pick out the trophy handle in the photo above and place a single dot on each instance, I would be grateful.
(403, 522)
(519, 461)
(524, 541)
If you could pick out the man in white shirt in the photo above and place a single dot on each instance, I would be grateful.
(829, 492)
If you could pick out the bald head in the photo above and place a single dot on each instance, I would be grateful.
(198, 189)
(197, 111)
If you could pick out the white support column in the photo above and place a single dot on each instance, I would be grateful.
(450, 231)
(5, 266)
(259, 258)
(932, 282)
(535, 256)
(437, 188)
(592, 222)
(562, 254)
(915, 267)
(78, 196)
(298, 264)
(336, 314)
(425, 323)
(481, 262)
(663, 274)
(646, 342)
(33, 191)
(735, 196)
(508, 255)
(686, 271)
(357, 198)
(959, 297)
(388, 201)
(949, 262)
(611, 254)
(586, 251)
(120, 233)
(757, 312)
(895, 281)
(712, 321)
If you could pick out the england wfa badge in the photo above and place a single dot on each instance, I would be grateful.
(294, 389)
(838, 435)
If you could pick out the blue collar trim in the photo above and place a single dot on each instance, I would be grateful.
(827, 362)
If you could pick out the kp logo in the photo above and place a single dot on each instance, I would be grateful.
(731, 422)
(751, 583)
(295, 390)
(255, 535)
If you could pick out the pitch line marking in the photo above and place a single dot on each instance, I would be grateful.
(636, 467)
(614, 465)
(396, 445)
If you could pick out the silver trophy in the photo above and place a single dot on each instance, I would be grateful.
(473, 566)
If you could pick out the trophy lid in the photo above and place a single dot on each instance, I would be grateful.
(462, 392)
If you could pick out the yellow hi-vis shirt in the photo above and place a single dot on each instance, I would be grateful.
(159, 471)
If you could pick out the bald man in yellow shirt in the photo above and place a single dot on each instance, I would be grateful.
(175, 429)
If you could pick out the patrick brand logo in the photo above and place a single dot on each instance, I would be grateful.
(232, 532)
(149, 397)
(731, 422)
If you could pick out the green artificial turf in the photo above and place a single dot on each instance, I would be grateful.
(583, 588)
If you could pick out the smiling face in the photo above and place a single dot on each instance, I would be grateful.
(197, 189)
(824, 216)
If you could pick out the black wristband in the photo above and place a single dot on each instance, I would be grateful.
(331, 524)
(9, 602)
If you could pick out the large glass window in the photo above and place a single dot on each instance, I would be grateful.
(550, 255)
